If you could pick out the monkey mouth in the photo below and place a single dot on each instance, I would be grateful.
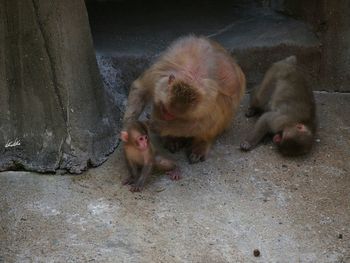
(277, 138)
(166, 115)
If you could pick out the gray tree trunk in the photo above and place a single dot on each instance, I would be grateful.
(51, 96)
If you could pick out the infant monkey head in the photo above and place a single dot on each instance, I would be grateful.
(294, 140)
(136, 134)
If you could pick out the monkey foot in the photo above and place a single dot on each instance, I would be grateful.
(245, 146)
(195, 158)
(174, 175)
(135, 188)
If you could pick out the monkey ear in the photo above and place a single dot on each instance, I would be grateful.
(171, 79)
(124, 136)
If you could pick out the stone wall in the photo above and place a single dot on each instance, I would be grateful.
(331, 21)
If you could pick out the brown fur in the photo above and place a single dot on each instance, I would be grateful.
(287, 103)
(141, 163)
(205, 94)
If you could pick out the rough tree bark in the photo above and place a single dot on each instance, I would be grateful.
(51, 96)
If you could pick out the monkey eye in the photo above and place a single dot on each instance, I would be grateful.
(299, 127)
(143, 138)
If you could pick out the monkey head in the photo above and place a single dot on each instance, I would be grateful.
(136, 135)
(294, 140)
(178, 100)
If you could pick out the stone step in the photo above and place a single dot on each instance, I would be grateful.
(127, 40)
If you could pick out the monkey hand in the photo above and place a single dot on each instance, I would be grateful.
(174, 174)
(246, 146)
(196, 158)
(128, 181)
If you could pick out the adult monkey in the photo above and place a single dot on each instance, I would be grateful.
(196, 88)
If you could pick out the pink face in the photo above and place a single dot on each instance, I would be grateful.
(166, 115)
(277, 138)
(142, 142)
(136, 139)
(289, 132)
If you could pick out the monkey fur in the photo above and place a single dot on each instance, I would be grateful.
(141, 156)
(286, 102)
(195, 88)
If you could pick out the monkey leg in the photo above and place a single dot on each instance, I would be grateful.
(129, 180)
(174, 144)
(169, 166)
(145, 172)
(133, 171)
(199, 150)
(164, 164)
(260, 97)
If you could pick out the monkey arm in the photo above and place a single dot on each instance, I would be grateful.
(268, 122)
(138, 97)
(133, 171)
(164, 164)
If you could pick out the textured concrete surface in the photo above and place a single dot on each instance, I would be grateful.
(292, 210)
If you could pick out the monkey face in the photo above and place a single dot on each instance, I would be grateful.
(136, 135)
(294, 140)
(165, 114)
(141, 142)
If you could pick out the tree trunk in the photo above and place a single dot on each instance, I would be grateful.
(54, 113)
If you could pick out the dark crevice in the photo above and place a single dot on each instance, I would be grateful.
(334, 91)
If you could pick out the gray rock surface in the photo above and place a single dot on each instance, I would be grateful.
(52, 100)
(292, 210)
(330, 20)
(130, 38)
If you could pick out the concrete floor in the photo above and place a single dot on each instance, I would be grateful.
(292, 210)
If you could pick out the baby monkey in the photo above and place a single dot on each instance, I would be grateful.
(286, 102)
(142, 158)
